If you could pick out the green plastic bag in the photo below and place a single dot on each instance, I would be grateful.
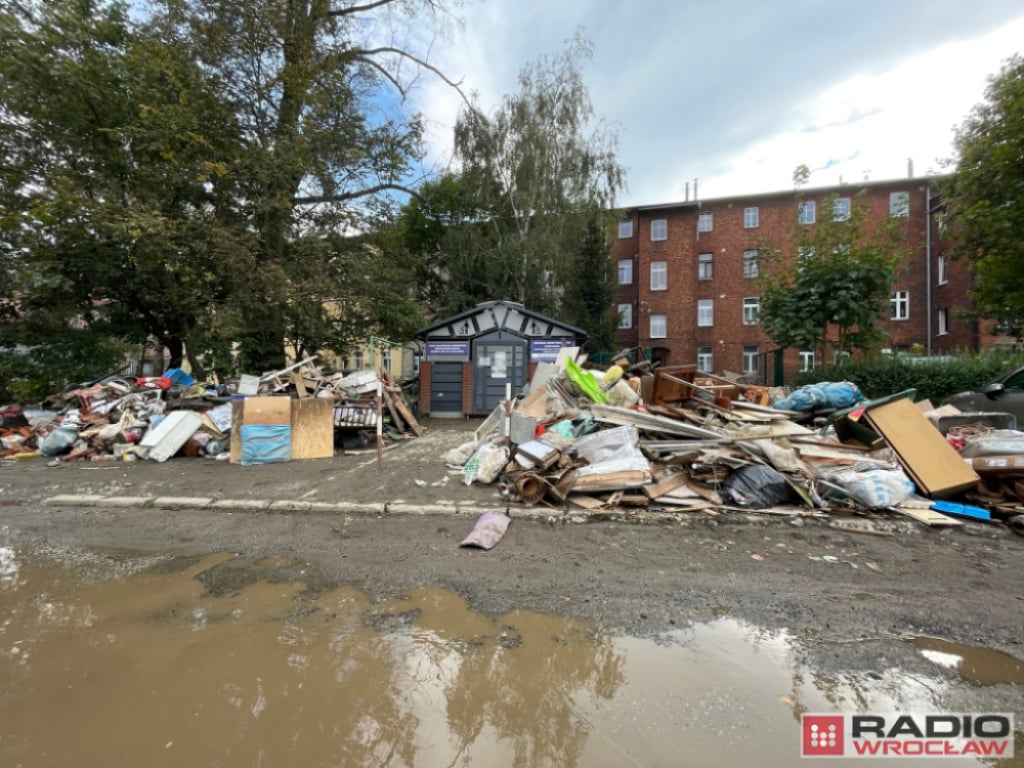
(585, 382)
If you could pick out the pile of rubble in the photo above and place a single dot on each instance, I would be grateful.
(676, 440)
(116, 418)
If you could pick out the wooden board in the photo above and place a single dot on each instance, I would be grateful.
(928, 516)
(266, 410)
(406, 413)
(389, 402)
(312, 421)
(932, 463)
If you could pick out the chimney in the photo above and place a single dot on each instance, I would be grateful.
(695, 198)
(687, 193)
(910, 167)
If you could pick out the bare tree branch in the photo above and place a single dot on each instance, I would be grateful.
(359, 8)
(347, 196)
(364, 54)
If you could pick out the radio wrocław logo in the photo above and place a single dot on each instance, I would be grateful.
(904, 734)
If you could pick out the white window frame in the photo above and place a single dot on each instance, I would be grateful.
(899, 204)
(806, 212)
(659, 230)
(705, 266)
(943, 323)
(751, 355)
(659, 275)
(750, 264)
(385, 359)
(625, 271)
(706, 221)
(705, 313)
(751, 310)
(705, 359)
(943, 269)
(659, 326)
(899, 305)
(625, 312)
(807, 360)
(841, 209)
(751, 217)
(625, 229)
(357, 360)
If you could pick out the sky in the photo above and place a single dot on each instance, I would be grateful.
(736, 94)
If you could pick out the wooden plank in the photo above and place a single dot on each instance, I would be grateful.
(300, 384)
(928, 516)
(664, 485)
(235, 446)
(396, 420)
(266, 410)
(312, 421)
(406, 412)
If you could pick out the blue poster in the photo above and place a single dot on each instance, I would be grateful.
(447, 348)
(545, 350)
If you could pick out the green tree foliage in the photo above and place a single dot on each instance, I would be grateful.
(206, 171)
(115, 220)
(590, 287)
(984, 198)
(537, 169)
(830, 289)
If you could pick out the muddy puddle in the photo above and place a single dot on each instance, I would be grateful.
(122, 660)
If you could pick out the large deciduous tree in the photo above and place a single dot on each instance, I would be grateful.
(984, 198)
(830, 288)
(538, 168)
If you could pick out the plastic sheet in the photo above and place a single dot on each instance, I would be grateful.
(827, 394)
(266, 443)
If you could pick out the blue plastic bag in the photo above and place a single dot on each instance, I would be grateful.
(266, 443)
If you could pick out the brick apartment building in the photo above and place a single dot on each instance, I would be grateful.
(688, 287)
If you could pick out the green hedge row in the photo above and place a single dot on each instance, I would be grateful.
(934, 378)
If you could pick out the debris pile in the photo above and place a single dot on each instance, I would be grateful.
(628, 439)
(297, 412)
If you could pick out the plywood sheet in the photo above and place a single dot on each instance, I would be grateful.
(312, 422)
(266, 410)
(936, 468)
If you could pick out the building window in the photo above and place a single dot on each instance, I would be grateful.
(899, 301)
(705, 313)
(625, 315)
(626, 228)
(751, 310)
(705, 221)
(750, 356)
(658, 330)
(750, 263)
(805, 214)
(625, 271)
(705, 266)
(841, 208)
(659, 275)
(357, 360)
(751, 217)
(705, 362)
(385, 360)
(806, 359)
(943, 269)
(659, 229)
(899, 203)
(943, 322)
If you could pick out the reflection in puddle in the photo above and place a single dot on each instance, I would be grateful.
(978, 666)
(158, 669)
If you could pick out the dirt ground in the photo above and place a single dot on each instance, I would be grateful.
(857, 606)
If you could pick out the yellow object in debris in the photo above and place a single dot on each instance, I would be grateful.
(27, 455)
(612, 375)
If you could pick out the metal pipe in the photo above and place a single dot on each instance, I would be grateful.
(928, 266)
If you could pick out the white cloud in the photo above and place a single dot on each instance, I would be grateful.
(737, 93)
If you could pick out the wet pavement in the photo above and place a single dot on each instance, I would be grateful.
(122, 658)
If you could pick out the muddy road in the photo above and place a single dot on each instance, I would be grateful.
(860, 605)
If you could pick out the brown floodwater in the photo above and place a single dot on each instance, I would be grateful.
(149, 661)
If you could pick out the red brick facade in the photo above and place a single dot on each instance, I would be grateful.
(687, 256)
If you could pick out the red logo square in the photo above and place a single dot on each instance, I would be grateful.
(823, 735)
